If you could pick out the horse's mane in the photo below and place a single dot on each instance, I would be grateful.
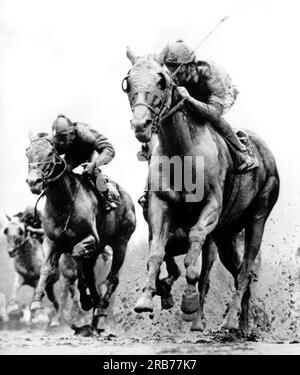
(42, 135)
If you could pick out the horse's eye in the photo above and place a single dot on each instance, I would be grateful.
(162, 83)
(5, 231)
(126, 85)
(21, 232)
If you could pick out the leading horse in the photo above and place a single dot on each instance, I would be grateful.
(74, 222)
(230, 202)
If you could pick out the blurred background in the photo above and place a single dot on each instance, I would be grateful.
(69, 57)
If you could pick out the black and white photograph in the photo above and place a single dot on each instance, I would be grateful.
(150, 179)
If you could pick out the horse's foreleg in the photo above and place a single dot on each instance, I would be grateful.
(209, 254)
(48, 269)
(206, 223)
(13, 304)
(159, 223)
(164, 286)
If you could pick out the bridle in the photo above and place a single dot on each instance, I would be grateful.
(46, 176)
(160, 113)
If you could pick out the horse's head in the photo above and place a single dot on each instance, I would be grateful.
(148, 86)
(15, 233)
(42, 160)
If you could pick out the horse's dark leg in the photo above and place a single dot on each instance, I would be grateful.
(209, 254)
(164, 286)
(206, 223)
(159, 223)
(244, 318)
(228, 252)
(256, 217)
(84, 297)
(177, 245)
(112, 281)
(48, 270)
(89, 277)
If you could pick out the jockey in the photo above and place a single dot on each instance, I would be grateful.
(83, 145)
(33, 222)
(209, 92)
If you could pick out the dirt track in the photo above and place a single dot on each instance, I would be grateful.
(274, 312)
(41, 342)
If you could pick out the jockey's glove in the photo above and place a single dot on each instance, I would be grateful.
(89, 168)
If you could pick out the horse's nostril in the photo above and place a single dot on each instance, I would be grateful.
(38, 181)
(147, 123)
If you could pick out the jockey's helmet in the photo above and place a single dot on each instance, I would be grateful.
(62, 132)
(62, 126)
(177, 53)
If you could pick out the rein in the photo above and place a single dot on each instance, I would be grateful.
(47, 180)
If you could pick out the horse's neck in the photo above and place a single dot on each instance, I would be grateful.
(26, 251)
(178, 133)
(59, 192)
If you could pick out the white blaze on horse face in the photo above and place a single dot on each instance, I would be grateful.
(15, 234)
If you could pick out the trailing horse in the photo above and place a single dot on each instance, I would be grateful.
(228, 202)
(74, 222)
(28, 258)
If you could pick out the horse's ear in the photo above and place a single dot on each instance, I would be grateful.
(131, 56)
(8, 217)
(160, 58)
(30, 135)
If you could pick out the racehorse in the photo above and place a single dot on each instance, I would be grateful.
(28, 256)
(74, 222)
(229, 202)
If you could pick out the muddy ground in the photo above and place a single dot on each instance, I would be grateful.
(274, 312)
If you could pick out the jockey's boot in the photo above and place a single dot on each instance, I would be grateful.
(246, 162)
(145, 153)
(143, 200)
(102, 187)
(108, 202)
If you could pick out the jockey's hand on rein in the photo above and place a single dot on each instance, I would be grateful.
(88, 168)
(182, 91)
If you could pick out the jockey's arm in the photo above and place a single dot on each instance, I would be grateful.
(35, 230)
(105, 157)
(211, 111)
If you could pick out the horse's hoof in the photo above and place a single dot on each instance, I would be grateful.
(231, 321)
(189, 317)
(144, 304)
(190, 302)
(198, 325)
(167, 302)
(55, 322)
(36, 305)
(84, 331)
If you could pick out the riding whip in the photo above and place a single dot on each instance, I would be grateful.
(202, 41)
